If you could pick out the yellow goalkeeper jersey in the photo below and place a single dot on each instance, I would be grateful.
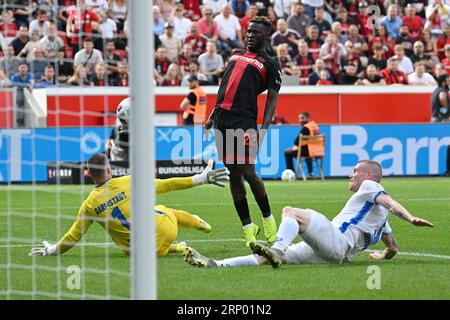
(110, 205)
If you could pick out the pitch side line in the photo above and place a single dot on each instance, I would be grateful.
(107, 244)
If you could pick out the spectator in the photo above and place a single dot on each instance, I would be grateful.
(314, 77)
(118, 11)
(22, 78)
(192, 9)
(215, 5)
(352, 8)
(283, 35)
(182, 25)
(439, 70)
(420, 77)
(51, 43)
(324, 79)
(419, 55)
(194, 105)
(80, 77)
(9, 63)
(185, 56)
(196, 40)
(304, 60)
(194, 71)
(308, 128)
(311, 5)
(348, 76)
(158, 21)
(207, 26)
(364, 19)
(4, 80)
(48, 80)
(122, 79)
(443, 40)
(173, 76)
(31, 46)
(332, 53)
(99, 78)
(378, 58)
(319, 21)
(405, 40)
(392, 21)
(171, 42)
(262, 5)
(404, 63)
(427, 40)
(40, 24)
(211, 63)
(108, 27)
(239, 7)
(284, 59)
(81, 24)
(446, 62)
(88, 57)
(298, 20)
(98, 6)
(162, 62)
(345, 20)
(360, 46)
(351, 56)
(245, 21)
(111, 58)
(371, 77)
(336, 28)
(313, 40)
(392, 74)
(413, 21)
(37, 64)
(7, 27)
(440, 101)
(272, 18)
(22, 11)
(381, 36)
(62, 67)
(229, 31)
(166, 8)
(21, 40)
(437, 14)
(282, 8)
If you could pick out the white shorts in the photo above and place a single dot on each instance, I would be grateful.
(322, 243)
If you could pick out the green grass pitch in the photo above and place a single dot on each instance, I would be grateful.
(421, 272)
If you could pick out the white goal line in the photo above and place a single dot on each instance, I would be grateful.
(107, 244)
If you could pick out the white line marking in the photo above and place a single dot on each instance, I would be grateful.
(108, 244)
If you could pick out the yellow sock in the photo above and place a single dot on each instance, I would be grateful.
(187, 220)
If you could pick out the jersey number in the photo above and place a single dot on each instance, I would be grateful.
(117, 214)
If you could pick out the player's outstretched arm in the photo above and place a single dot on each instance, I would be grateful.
(398, 210)
(47, 250)
(390, 251)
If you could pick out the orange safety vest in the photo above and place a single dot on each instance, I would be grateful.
(315, 150)
(199, 110)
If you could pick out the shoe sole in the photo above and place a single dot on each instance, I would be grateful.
(266, 253)
(189, 258)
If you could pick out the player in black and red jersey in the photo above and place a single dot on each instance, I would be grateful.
(248, 73)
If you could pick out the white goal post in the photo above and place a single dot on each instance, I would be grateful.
(143, 264)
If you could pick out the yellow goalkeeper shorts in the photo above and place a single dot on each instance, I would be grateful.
(166, 229)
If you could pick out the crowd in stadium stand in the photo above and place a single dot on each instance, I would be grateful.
(317, 42)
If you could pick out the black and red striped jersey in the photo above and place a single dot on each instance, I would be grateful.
(247, 75)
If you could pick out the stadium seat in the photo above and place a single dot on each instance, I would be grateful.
(319, 142)
(289, 80)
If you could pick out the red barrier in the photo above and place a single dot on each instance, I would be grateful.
(347, 105)
(7, 102)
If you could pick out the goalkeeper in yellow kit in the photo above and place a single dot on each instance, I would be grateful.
(110, 205)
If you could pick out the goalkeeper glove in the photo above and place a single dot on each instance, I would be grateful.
(47, 250)
(216, 176)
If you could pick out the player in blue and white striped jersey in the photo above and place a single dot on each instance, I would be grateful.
(361, 223)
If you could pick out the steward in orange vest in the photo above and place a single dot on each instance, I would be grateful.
(194, 105)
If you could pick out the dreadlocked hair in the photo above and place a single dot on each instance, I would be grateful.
(263, 20)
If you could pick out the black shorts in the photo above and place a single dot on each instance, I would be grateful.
(236, 137)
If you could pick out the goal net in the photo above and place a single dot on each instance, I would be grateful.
(63, 72)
